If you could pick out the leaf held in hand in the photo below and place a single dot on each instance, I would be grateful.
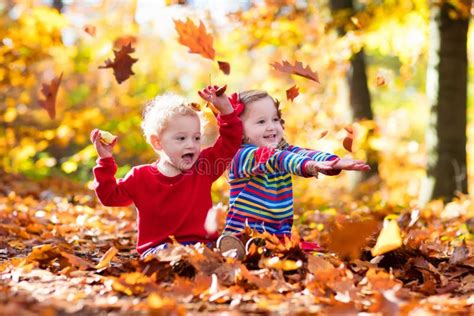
(296, 69)
(220, 91)
(224, 67)
(389, 239)
(50, 92)
(195, 38)
(292, 93)
(122, 64)
(106, 137)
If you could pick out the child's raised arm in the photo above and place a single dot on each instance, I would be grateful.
(217, 158)
(109, 191)
(317, 155)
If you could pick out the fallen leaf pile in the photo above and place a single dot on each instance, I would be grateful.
(62, 253)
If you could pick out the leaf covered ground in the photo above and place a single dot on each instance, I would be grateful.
(63, 253)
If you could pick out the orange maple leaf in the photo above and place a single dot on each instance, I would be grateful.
(292, 93)
(348, 140)
(224, 67)
(296, 69)
(50, 91)
(195, 38)
(122, 64)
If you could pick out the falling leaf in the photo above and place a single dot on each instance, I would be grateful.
(323, 134)
(224, 67)
(292, 93)
(296, 69)
(106, 258)
(90, 29)
(356, 22)
(125, 41)
(347, 143)
(122, 64)
(50, 93)
(215, 219)
(389, 238)
(380, 80)
(348, 140)
(195, 38)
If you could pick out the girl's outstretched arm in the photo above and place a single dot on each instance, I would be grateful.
(251, 160)
(316, 155)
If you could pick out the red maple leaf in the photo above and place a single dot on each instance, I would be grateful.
(292, 93)
(195, 38)
(224, 67)
(296, 69)
(50, 91)
(122, 64)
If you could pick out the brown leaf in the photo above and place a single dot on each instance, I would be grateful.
(355, 231)
(122, 64)
(106, 258)
(195, 38)
(220, 91)
(323, 134)
(224, 67)
(296, 69)
(50, 92)
(292, 93)
(347, 143)
(90, 29)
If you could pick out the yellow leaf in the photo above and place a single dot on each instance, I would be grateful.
(106, 258)
(388, 240)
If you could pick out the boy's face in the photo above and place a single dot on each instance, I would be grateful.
(180, 141)
(262, 126)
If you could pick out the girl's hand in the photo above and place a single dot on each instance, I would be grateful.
(314, 167)
(221, 102)
(350, 164)
(104, 150)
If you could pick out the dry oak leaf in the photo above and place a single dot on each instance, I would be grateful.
(297, 69)
(122, 64)
(50, 91)
(292, 93)
(224, 67)
(195, 38)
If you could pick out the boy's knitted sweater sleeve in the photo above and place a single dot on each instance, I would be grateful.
(110, 191)
(315, 155)
(251, 160)
(216, 159)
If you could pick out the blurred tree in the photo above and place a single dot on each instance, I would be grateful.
(447, 91)
(359, 95)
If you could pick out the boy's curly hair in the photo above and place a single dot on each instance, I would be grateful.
(160, 110)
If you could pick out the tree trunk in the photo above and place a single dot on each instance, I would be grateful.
(359, 98)
(58, 5)
(447, 92)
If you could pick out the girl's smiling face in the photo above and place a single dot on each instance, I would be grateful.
(262, 125)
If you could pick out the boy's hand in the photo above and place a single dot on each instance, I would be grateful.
(104, 150)
(221, 102)
(350, 164)
(314, 167)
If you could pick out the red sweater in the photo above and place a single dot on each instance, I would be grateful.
(171, 205)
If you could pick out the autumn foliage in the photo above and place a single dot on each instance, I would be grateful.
(62, 252)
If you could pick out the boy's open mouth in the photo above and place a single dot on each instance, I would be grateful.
(188, 157)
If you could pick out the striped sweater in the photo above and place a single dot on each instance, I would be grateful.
(261, 190)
